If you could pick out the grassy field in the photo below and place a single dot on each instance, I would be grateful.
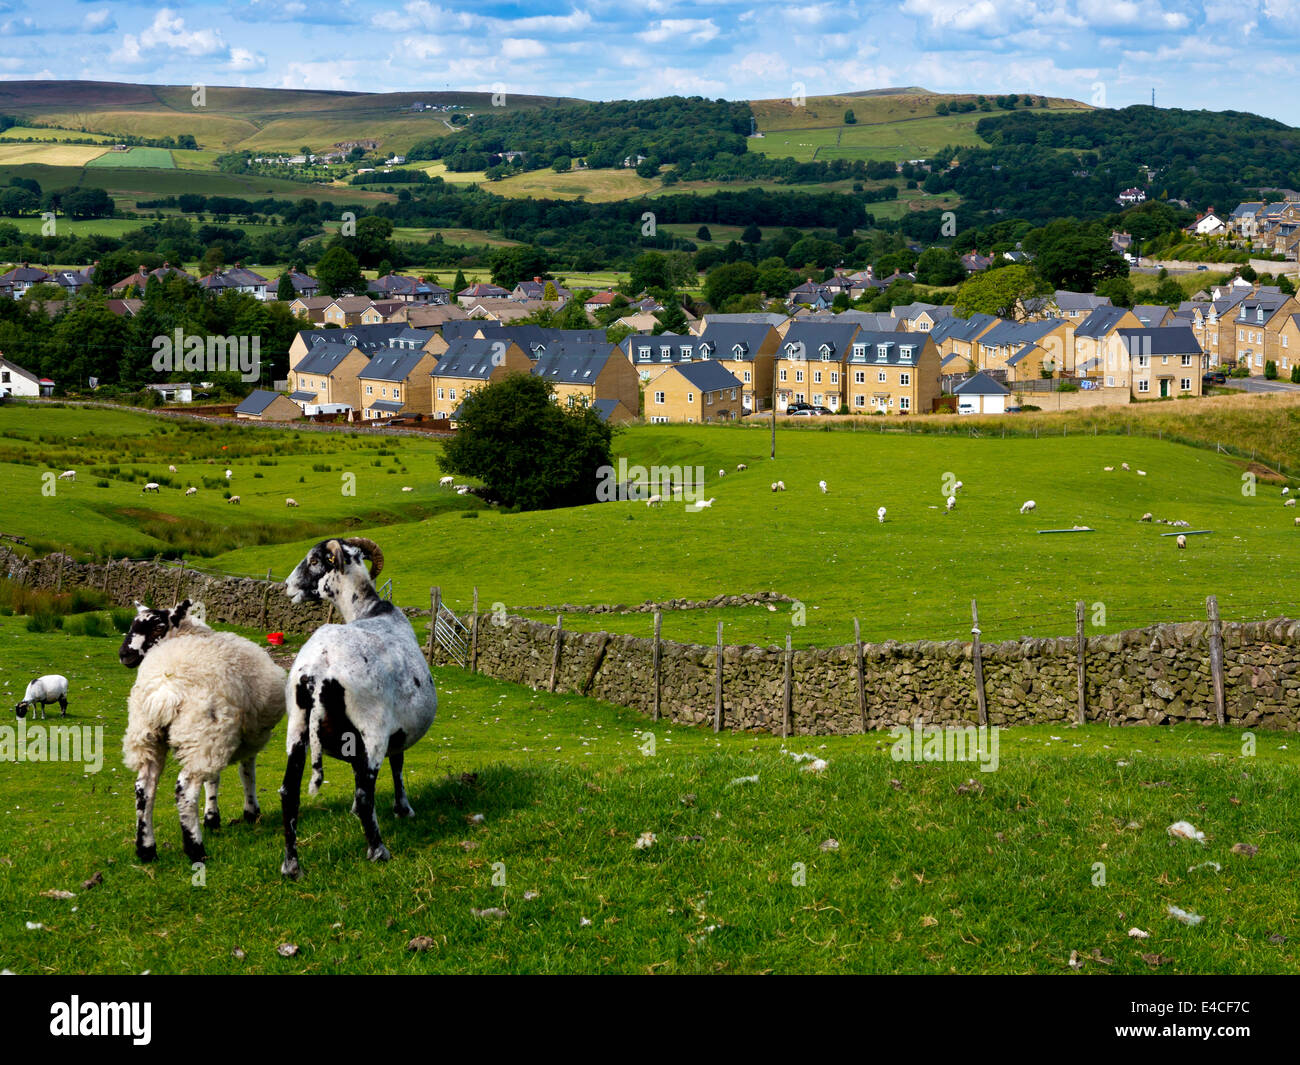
(138, 158)
(38, 133)
(55, 155)
(926, 874)
(910, 578)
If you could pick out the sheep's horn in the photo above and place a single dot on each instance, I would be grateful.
(371, 550)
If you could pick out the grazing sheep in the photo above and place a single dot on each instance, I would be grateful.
(1297, 521)
(780, 486)
(191, 490)
(463, 490)
(51, 688)
(654, 501)
(1289, 502)
(1181, 541)
(880, 515)
(773, 486)
(152, 486)
(1286, 490)
(446, 482)
(407, 488)
(291, 502)
(212, 698)
(171, 469)
(1123, 465)
(233, 499)
(68, 475)
(1145, 517)
(722, 473)
(950, 504)
(229, 474)
(822, 486)
(741, 467)
(1108, 469)
(956, 488)
(358, 691)
(1181, 524)
(705, 503)
(1027, 506)
(1141, 473)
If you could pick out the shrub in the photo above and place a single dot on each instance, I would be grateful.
(1067, 386)
(1295, 374)
(122, 617)
(1270, 370)
(88, 625)
(44, 622)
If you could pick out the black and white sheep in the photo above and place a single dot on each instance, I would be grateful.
(212, 698)
(357, 691)
(51, 688)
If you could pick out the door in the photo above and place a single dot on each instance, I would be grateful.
(1164, 388)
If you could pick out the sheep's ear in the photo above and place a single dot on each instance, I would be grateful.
(337, 559)
(140, 609)
(178, 613)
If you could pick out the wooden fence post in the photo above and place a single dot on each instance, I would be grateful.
(1082, 643)
(473, 635)
(717, 683)
(1216, 656)
(858, 669)
(978, 661)
(595, 663)
(180, 576)
(787, 701)
(559, 639)
(435, 602)
(658, 664)
(266, 595)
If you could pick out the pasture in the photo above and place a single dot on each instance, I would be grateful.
(139, 158)
(871, 865)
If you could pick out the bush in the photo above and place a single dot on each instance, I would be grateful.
(1295, 374)
(122, 617)
(1029, 407)
(1067, 386)
(44, 622)
(1270, 370)
(88, 625)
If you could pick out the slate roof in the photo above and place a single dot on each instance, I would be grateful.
(391, 365)
(577, 366)
(302, 396)
(1008, 333)
(368, 338)
(256, 401)
(965, 329)
(392, 406)
(708, 376)
(813, 335)
(467, 358)
(981, 384)
(892, 342)
(604, 407)
(722, 339)
(1169, 340)
(1150, 314)
(1100, 321)
(323, 359)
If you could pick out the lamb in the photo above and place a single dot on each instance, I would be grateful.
(1181, 541)
(446, 482)
(358, 691)
(1027, 506)
(51, 688)
(701, 504)
(291, 502)
(152, 486)
(191, 490)
(229, 474)
(68, 475)
(654, 501)
(171, 469)
(741, 467)
(233, 499)
(880, 515)
(950, 504)
(1145, 517)
(822, 486)
(213, 698)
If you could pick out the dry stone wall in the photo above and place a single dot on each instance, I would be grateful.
(1148, 676)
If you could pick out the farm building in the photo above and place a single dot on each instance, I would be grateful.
(263, 406)
(981, 394)
(174, 392)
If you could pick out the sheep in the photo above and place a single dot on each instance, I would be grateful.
(722, 473)
(1141, 473)
(191, 490)
(463, 490)
(780, 486)
(1027, 506)
(1297, 521)
(446, 482)
(701, 504)
(1286, 490)
(152, 486)
(291, 502)
(1290, 502)
(1181, 541)
(950, 505)
(1145, 517)
(358, 691)
(880, 515)
(773, 486)
(741, 467)
(212, 698)
(1123, 466)
(171, 469)
(229, 474)
(407, 488)
(1108, 469)
(654, 501)
(822, 486)
(51, 688)
(956, 488)
(68, 475)
(233, 499)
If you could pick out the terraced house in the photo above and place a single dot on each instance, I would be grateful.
(469, 365)
(1026, 351)
(1213, 323)
(1258, 324)
(693, 392)
(810, 363)
(892, 373)
(589, 375)
(325, 380)
(365, 338)
(397, 382)
(1098, 351)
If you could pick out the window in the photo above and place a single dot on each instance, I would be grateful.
(859, 400)
(817, 377)
(440, 395)
(905, 354)
(1144, 386)
(733, 393)
(904, 378)
(370, 390)
(880, 376)
(690, 397)
(1187, 360)
(782, 375)
(882, 352)
(904, 403)
(859, 351)
(659, 397)
(817, 399)
(666, 353)
(451, 393)
(859, 377)
(1143, 361)
(748, 377)
(643, 354)
(799, 397)
(658, 419)
(708, 398)
(686, 351)
(1185, 384)
(825, 353)
(396, 394)
(1110, 382)
(798, 375)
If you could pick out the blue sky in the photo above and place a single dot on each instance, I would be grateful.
(1217, 54)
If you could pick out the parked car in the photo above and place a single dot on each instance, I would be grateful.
(1215, 377)
(799, 408)
(822, 410)
(1202, 267)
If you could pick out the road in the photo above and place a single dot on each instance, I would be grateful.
(1259, 384)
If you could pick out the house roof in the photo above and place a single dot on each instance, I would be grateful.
(707, 376)
(391, 365)
(1079, 301)
(256, 401)
(324, 359)
(302, 396)
(769, 318)
(482, 291)
(1100, 321)
(1166, 340)
(981, 384)
(577, 366)
(871, 343)
(13, 367)
(399, 285)
(472, 358)
(1150, 314)
(389, 405)
(814, 334)
(965, 329)
(723, 338)
(25, 275)
(604, 407)
(366, 337)
(1011, 333)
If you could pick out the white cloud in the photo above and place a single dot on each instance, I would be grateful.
(245, 61)
(680, 31)
(101, 21)
(522, 48)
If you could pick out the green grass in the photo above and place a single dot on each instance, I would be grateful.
(926, 879)
(139, 158)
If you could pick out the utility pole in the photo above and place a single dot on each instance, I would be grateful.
(774, 371)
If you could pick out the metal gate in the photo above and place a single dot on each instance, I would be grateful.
(452, 635)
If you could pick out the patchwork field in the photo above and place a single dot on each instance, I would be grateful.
(62, 155)
(138, 158)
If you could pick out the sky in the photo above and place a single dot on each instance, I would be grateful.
(1216, 54)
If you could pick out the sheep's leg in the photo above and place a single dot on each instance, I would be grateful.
(401, 807)
(211, 808)
(365, 776)
(290, 798)
(146, 787)
(248, 777)
(63, 705)
(187, 805)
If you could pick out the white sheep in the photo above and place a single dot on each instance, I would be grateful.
(722, 473)
(171, 469)
(291, 502)
(463, 490)
(1289, 502)
(229, 474)
(1181, 541)
(358, 691)
(956, 487)
(1027, 506)
(822, 486)
(1145, 517)
(152, 486)
(446, 482)
(741, 467)
(773, 486)
(407, 488)
(780, 486)
(950, 505)
(212, 698)
(654, 501)
(880, 515)
(1297, 521)
(191, 490)
(233, 499)
(1108, 469)
(1286, 491)
(1141, 473)
(705, 503)
(68, 475)
(51, 688)
(1123, 465)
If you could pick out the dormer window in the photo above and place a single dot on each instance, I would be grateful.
(705, 351)
(905, 354)
(825, 351)
(859, 351)
(643, 354)
(666, 353)
(882, 352)
(738, 351)
(686, 351)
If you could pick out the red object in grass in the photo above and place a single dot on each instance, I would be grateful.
(275, 639)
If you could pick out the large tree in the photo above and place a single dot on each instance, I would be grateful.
(530, 452)
(339, 273)
(1075, 257)
(999, 292)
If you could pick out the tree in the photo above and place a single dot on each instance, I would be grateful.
(939, 266)
(339, 273)
(730, 279)
(1295, 374)
(530, 452)
(521, 263)
(850, 118)
(703, 234)
(647, 168)
(284, 290)
(752, 234)
(561, 164)
(460, 284)
(1076, 258)
(1120, 290)
(999, 292)
(1270, 370)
